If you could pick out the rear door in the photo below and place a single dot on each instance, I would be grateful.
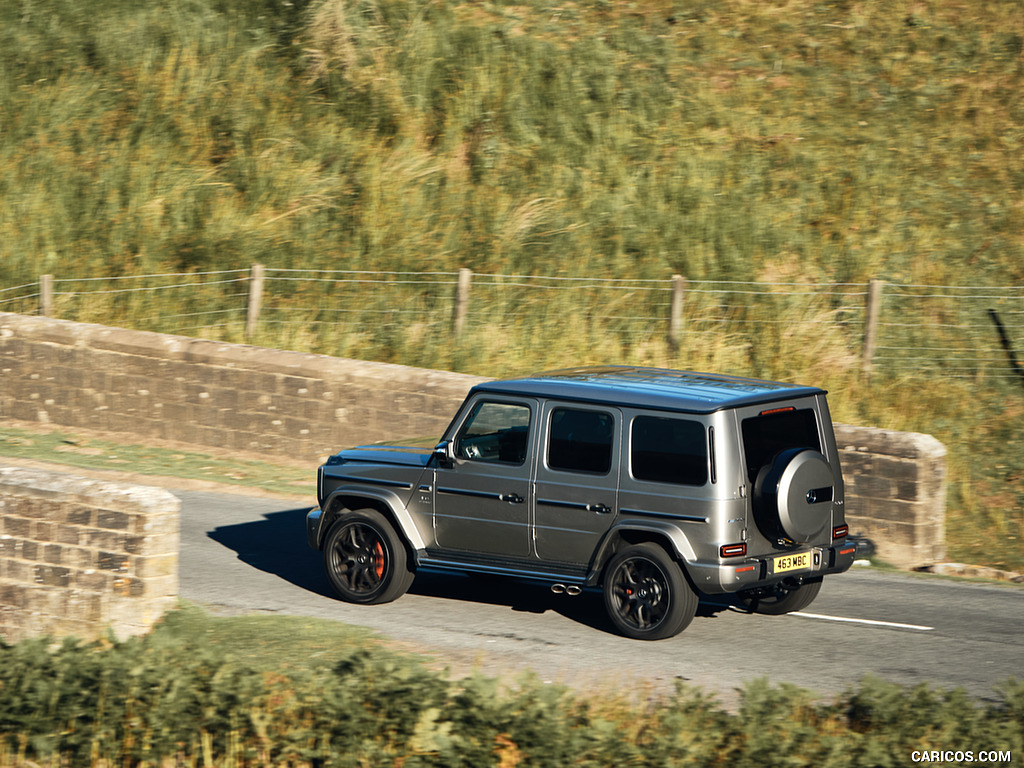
(576, 490)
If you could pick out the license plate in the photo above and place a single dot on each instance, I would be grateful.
(792, 562)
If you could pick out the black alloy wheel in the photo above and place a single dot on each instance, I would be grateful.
(646, 594)
(365, 560)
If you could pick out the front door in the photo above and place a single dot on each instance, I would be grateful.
(577, 480)
(482, 502)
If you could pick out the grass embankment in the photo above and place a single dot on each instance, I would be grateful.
(732, 140)
(276, 691)
(114, 455)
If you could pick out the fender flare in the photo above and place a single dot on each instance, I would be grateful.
(406, 528)
(680, 546)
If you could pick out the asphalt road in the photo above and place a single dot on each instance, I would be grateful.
(245, 554)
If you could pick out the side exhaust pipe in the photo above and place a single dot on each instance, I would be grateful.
(572, 590)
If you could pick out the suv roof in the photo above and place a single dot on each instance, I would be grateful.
(650, 387)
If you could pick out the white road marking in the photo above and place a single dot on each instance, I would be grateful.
(870, 622)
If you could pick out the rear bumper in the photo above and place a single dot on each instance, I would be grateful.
(738, 575)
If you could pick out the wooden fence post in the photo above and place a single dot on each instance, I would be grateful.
(872, 310)
(46, 295)
(675, 322)
(252, 317)
(462, 300)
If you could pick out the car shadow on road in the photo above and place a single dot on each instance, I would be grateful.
(518, 596)
(276, 544)
(586, 608)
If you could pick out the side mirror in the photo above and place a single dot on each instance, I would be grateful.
(444, 453)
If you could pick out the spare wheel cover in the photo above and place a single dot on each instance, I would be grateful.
(805, 494)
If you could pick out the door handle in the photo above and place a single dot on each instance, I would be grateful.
(601, 509)
(511, 498)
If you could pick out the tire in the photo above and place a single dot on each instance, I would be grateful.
(365, 560)
(646, 594)
(783, 599)
(793, 495)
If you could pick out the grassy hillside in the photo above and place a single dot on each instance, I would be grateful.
(714, 139)
(799, 141)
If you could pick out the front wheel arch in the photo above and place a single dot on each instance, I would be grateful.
(343, 504)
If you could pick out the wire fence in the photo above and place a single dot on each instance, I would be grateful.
(949, 331)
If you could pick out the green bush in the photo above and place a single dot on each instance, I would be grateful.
(188, 694)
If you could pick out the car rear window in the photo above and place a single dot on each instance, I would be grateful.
(774, 431)
(666, 450)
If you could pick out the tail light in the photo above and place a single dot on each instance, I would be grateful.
(733, 550)
(840, 531)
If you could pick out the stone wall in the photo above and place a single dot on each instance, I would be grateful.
(896, 492)
(223, 396)
(79, 556)
(237, 397)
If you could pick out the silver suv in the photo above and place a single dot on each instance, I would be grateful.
(657, 486)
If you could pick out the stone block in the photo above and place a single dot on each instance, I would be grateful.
(53, 554)
(155, 566)
(17, 570)
(126, 342)
(79, 515)
(24, 506)
(112, 541)
(111, 520)
(17, 526)
(84, 608)
(167, 389)
(67, 534)
(163, 587)
(52, 575)
(14, 595)
(42, 531)
(116, 562)
(128, 586)
(30, 550)
(79, 558)
(91, 580)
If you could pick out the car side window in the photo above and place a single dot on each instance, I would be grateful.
(495, 432)
(581, 441)
(667, 450)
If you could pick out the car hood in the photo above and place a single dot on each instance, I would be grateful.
(403, 455)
